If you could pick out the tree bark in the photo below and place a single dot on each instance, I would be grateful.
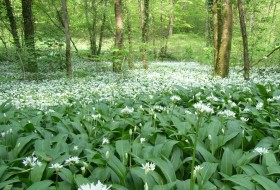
(117, 65)
(29, 32)
(67, 38)
(145, 35)
(224, 53)
(245, 40)
(129, 38)
(171, 19)
(102, 30)
(217, 32)
(13, 23)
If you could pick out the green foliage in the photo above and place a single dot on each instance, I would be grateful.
(115, 146)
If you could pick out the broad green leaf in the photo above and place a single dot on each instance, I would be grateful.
(165, 187)
(3, 168)
(66, 175)
(145, 177)
(37, 172)
(262, 170)
(123, 148)
(166, 167)
(274, 170)
(167, 148)
(206, 172)
(64, 185)
(23, 143)
(242, 180)
(8, 182)
(42, 185)
(117, 166)
(265, 182)
(80, 180)
(208, 157)
(226, 162)
(269, 159)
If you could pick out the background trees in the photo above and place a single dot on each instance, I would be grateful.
(93, 30)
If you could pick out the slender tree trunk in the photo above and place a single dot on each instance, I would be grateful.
(145, 34)
(117, 64)
(226, 39)
(217, 32)
(13, 23)
(129, 38)
(171, 19)
(94, 27)
(141, 14)
(67, 38)
(208, 23)
(102, 28)
(29, 32)
(245, 40)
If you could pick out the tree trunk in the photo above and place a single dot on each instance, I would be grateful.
(13, 23)
(129, 38)
(145, 34)
(225, 48)
(117, 64)
(94, 23)
(67, 38)
(245, 40)
(208, 23)
(217, 32)
(29, 32)
(171, 19)
(222, 29)
(102, 31)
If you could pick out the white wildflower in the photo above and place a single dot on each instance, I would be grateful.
(72, 160)
(259, 106)
(92, 186)
(197, 169)
(142, 140)
(105, 141)
(226, 113)
(56, 166)
(210, 137)
(175, 98)
(75, 148)
(244, 119)
(203, 108)
(127, 110)
(148, 167)
(31, 161)
(246, 110)
(96, 116)
(261, 150)
(146, 187)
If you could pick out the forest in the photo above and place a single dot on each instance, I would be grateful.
(140, 94)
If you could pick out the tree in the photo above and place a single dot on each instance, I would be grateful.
(145, 35)
(68, 37)
(13, 23)
(245, 40)
(222, 29)
(118, 36)
(29, 32)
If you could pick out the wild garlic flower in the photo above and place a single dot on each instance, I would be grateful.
(146, 187)
(92, 186)
(226, 113)
(56, 166)
(259, 106)
(72, 160)
(197, 169)
(203, 108)
(75, 148)
(244, 119)
(96, 116)
(127, 110)
(105, 141)
(246, 110)
(261, 150)
(175, 98)
(148, 167)
(31, 161)
(142, 140)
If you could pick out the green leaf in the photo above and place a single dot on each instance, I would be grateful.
(117, 166)
(123, 147)
(166, 167)
(269, 159)
(3, 168)
(24, 143)
(5, 183)
(206, 172)
(265, 182)
(226, 162)
(274, 170)
(80, 180)
(242, 180)
(37, 172)
(42, 185)
(165, 187)
(167, 148)
(66, 175)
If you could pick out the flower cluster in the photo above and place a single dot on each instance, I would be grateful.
(92, 186)
(127, 110)
(175, 98)
(148, 167)
(197, 169)
(261, 150)
(203, 108)
(227, 113)
(31, 161)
